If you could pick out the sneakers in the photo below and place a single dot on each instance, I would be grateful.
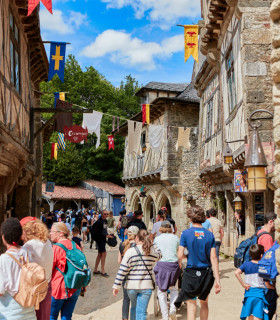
(173, 316)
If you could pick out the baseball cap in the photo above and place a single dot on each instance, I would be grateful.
(133, 230)
(165, 224)
(25, 220)
(163, 208)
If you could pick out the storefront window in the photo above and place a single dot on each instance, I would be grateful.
(259, 210)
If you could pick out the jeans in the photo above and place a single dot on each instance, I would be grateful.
(73, 223)
(65, 306)
(139, 303)
(218, 244)
(121, 235)
(162, 299)
(126, 303)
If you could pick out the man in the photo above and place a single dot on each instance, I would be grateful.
(217, 228)
(168, 218)
(99, 232)
(137, 221)
(157, 225)
(64, 220)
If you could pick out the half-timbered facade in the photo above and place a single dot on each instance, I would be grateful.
(171, 172)
(233, 79)
(23, 64)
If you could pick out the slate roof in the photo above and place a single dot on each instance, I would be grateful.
(106, 186)
(162, 86)
(68, 193)
(189, 94)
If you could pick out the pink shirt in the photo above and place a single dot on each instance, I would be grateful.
(265, 240)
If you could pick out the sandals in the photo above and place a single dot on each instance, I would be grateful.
(97, 272)
(105, 275)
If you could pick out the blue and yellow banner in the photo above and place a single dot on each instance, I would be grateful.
(61, 141)
(60, 96)
(57, 60)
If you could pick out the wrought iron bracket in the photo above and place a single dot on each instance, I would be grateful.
(257, 125)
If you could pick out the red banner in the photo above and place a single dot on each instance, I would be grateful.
(32, 4)
(111, 142)
(75, 133)
(143, 114)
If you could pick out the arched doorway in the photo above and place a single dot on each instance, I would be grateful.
(150, 211)
(136, 204)
(165, 203)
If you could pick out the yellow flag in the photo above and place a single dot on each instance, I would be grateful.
(62, 96)
(191, 42)
(148, 113)
(55, 151)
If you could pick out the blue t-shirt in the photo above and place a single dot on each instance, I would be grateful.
(199, 243)
(251, 274)
(206, 224)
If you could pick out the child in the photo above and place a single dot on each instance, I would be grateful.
(76, 238)
(255, 306)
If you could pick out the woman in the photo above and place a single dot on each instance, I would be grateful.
(61, 300)
(84, 228)
(139, 261)
(35, 236)
(10, 273)
(111, 223)
(124, 246)
(167, 270)
(198, 277)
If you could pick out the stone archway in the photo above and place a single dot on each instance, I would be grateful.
(165, 202)
(149, 210)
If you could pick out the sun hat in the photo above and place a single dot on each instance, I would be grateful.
(133, 230)
(25, 220)
(165, 224)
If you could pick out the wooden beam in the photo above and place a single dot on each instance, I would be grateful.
(46, 124)
(53, 110)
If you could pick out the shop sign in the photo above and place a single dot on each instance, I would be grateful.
(75, 133)
(240, 180)
(50, 186)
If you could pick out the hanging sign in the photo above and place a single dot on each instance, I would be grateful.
(240, 180)
(50, 186)
(75, 133)
(111, 142)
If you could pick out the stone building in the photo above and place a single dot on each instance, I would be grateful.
(233, 79)
(170, 173)
(23, 64)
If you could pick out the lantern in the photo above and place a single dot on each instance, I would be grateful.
(144, 148)
(228, 155)
(238, 203)
(122, 199)
(256, 164)
(184, 196)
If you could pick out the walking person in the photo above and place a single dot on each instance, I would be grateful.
(137, 221)
(161, 216)
(218, 230)
(255, 306)
(111, 223)
(63, 299)
(73, 219)
(84, 228)
(202, 261)
(37, 244)
(167, 270)
(124, 246)
(122, 225)
(99, 230)
(136, 267)
(10, 271)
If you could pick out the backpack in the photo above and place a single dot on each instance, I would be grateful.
(267, 265)
(112, 242)
(242, 252)
(77, 274)
(33, 285)
(124, 222)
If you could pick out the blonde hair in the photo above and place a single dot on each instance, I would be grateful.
(61, 227)
(110, 214)
(126, 243)
(165, 230)
(35, 230)
(143, 237)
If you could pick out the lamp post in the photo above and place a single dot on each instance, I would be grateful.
(228, 155)
(255, 160)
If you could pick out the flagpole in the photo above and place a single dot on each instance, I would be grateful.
(52, 42)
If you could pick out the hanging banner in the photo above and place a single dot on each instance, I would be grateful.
(145, 113)
(54, 151)
(75, 133)
(32, 4)
(50, 186)
(63, 119)
(57, 60)
(240, 180)
(111, 142)
(60, 96)
(191, 42)
(61, 141)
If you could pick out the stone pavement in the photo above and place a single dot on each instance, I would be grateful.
(226, 305)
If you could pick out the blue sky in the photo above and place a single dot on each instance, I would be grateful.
(122, 37)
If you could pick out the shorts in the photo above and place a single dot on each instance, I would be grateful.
(84, 229)
(101, 246)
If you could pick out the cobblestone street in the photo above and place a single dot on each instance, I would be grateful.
(99, 303)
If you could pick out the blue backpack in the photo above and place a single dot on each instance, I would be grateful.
(242, 252)
(267, 265)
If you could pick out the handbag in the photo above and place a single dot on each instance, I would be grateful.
(140, 255)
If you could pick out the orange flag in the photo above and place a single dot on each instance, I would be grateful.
(191, 42)
(32, 4)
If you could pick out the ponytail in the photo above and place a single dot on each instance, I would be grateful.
(127, 243)
(143, 237)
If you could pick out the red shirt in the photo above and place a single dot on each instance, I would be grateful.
(265, 240)
(59, 261)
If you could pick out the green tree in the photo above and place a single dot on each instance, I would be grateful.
(90, 89)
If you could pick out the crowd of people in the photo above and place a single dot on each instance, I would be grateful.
(148, 262)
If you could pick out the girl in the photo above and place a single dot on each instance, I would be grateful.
(136, 267)
(255, 307)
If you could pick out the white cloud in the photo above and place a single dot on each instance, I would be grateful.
(164, 12)
(60, 23)
(126, 50)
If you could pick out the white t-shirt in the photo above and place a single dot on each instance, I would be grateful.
(41, 253)
(156, 228)
(10, 271)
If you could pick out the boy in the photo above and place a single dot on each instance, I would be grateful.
(76, 238)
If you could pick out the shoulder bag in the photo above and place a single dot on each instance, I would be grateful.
(140, 255)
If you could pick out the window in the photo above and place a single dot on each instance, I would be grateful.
(231, 80)
(209, 119)
(14, 54)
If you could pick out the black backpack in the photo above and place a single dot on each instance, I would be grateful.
(112, 242)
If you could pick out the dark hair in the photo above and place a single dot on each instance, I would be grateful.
(138, 213)
(256, 251)
(269, 216)
(213, 212)
(143, 236)
(75, 230)
(196, 214)
(12, 231)
(161, 213)
(122, 213)
(63, 216)
(207, 214)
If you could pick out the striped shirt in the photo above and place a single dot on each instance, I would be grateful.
(133, 269)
